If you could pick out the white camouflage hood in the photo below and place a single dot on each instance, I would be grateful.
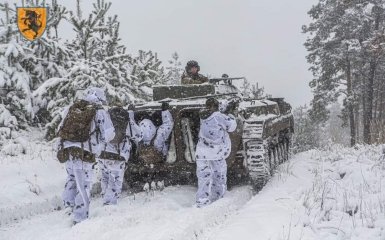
(95, 95)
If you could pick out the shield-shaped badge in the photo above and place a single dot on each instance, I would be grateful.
(32, 21)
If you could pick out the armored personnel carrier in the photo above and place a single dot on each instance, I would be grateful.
(259, 144)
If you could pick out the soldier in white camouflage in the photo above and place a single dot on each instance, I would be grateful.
(158, 135)
(116, 153)
(213, 147)
(191, 74)
(78, 155)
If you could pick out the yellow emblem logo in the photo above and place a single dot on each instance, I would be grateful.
(32, 21)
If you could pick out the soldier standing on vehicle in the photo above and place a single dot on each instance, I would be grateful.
(213, 147)
(116, 153)
(191, 74)
(85, 126)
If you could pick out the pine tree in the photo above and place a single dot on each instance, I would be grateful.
(175, 69)
(336, 129)
(256, 92)
(38, 79)
(252, 91)
(308, 134)
(99, 59)
(145, 72)
(85, 68)
(246, 89)
(15, 82)
(344, 44)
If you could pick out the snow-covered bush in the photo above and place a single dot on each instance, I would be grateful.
(310, 134)
(347, 197)
(175, 69)
(97, 58)
(39, 78)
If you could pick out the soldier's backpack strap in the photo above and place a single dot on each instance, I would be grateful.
(97, 127)
(62, 154)
(130, 127)
(153, 139)
(130, 133)
(96, 131)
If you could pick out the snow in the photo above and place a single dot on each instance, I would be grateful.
(224, 88)
(30, 180)
(319, 194)
(256, 103)
(6, 118)
(333, 194)
(255, 117)
(13, 49)
(269, 214)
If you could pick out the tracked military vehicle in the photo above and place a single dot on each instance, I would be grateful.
(259, 144)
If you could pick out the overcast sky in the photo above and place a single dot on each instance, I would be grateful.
(258, 39)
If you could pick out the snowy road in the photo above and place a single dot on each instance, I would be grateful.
(170, 214)
(322, 195)
(165, 215)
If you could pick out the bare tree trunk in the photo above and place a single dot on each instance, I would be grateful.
(368, 114)
(381, 101)
(350, 103)
(375, 100)
(357, 118)
(363, 96)
(7, 22)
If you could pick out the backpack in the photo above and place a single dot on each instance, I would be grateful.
(77, 124)
(120, 119)
(148, 153)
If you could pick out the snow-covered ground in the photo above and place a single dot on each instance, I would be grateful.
(329, 194)
(30, 184)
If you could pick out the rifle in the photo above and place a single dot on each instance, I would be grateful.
(206, 96)
(226, 80)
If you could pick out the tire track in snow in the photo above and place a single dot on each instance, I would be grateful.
(9, 215)
(16, 213)
(204, 219)
(166, 215)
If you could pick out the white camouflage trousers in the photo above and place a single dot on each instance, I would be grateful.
(112, 180)
(212, 181)
(77, 188)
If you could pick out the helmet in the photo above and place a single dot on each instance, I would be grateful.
(190, 64)
(225, 75)
(212, 103)
(131, 107)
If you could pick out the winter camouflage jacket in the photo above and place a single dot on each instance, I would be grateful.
(102, 120)
(163, 132)
(148, 130)
(214, 141)
(134, 133)
(193, 79)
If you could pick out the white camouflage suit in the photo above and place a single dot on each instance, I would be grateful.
(213, 148)
(113, 170)
(77, 188)
(162, 134)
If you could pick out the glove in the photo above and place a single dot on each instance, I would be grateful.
(165, 106)
(223, 106)
(131, 114)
